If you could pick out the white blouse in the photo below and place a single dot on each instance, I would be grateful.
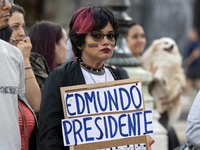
(91, 78)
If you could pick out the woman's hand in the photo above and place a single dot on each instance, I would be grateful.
(150, 140)
(25, 47)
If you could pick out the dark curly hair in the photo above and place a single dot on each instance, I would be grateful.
(86, 20)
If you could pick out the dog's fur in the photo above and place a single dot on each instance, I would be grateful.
(164, 60)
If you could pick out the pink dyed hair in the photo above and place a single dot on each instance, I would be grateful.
(84, 21)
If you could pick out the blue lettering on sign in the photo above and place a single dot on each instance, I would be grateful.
(113, 126)
(86, 128)
(91, 102)
(121, 91)
(67, 131)
(113, 100)
(138, 114)
(90, 129)
(77, 128)
(99, 128)
(90, 98)
(79, 100)
(121, 125)
(106, 127)
(68, 105)
(103, 108)
(147, 122)
(132, 124)
(132, 96)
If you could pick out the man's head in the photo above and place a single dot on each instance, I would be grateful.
(4, 13)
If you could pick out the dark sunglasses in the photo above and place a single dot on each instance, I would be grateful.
(98, 36)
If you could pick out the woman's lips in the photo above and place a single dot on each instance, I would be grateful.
(106, 50)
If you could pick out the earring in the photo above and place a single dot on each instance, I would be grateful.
(80, 48)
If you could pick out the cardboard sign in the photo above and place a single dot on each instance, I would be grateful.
(105, 115)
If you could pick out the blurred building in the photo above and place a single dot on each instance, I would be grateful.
(160, 18)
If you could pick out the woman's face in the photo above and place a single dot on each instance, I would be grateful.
(98, 47)
(193, 35)
(136, 40)
(61, 49)
(17, 23)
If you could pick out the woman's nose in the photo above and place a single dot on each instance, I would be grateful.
(105, 40)
(21, 32)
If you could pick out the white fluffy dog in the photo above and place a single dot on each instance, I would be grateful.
(163, 59)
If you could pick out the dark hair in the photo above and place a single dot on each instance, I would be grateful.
(44, 35)
(6, 33)
(132, 24)
(16, 8)
(86, 20)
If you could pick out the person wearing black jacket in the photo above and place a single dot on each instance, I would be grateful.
(93, 34)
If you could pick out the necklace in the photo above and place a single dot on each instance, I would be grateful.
(94, 79)
(100, 71)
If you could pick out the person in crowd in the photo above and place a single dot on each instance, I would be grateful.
(12, 85)
(193, 123)
(18, 39)
(136, 39)
(27, 117)
(25, 112)
(192, 61)
(49, 48)
(34, 65)
(93, 34)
